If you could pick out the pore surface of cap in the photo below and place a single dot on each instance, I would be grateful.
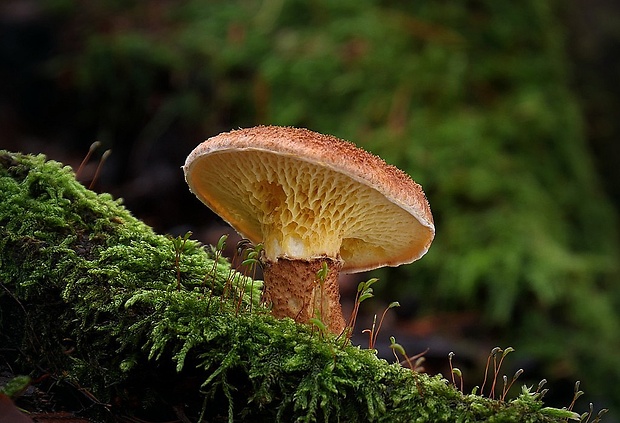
(307, 195)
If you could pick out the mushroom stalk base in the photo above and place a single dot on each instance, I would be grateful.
(294, 290)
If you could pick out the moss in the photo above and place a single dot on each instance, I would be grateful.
(152, 324)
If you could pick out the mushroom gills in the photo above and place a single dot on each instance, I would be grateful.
(300, 209)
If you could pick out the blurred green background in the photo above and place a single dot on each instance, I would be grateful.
(505, 112)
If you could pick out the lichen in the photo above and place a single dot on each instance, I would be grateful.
(148, 324)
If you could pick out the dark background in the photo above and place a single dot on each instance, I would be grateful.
(506, 113)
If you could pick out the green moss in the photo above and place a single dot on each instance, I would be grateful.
(151, 324)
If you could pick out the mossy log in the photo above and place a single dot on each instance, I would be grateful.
(152, 326)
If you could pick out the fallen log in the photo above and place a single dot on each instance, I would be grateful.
(160, 328)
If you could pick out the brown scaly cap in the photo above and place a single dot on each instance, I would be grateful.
(307, 194)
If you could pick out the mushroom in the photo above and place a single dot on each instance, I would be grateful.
(316, 203)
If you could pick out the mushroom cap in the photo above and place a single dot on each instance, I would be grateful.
(306, 195)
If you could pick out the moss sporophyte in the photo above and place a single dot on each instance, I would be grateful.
(165, 328)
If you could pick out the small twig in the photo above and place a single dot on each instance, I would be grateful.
(507, 388)
(458, 372)
(364, 291)
(250, 262)
(348, 329)
(241, 245)
(450, 356)
(540, 385)
(104, 157)
(370, 332)
(375, 333)
(494, 351)
(179, 245)
(497, 367)
(92, 148)
(585, 417)
(219, 248)
(259, 254)
(455, 371)
(576, 395)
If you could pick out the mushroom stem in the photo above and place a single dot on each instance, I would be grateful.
(294, 290)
